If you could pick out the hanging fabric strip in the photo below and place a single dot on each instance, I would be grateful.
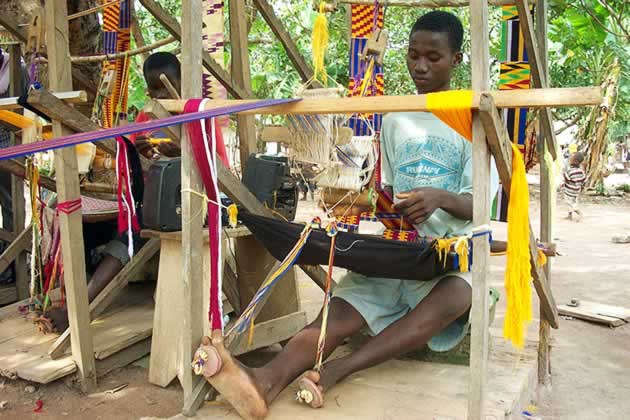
(518, 268)
(204, 150)
(127, 217)
(74, 139)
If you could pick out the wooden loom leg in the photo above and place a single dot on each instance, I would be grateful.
(192, 223)
(546, 203)
(481, 216)
(60, 79)
(17, 184)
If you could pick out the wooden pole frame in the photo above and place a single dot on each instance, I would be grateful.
(68, 190)
(192, 222)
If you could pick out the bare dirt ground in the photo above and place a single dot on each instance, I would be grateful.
(591, 363)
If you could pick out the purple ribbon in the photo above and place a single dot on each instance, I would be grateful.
(92, 136)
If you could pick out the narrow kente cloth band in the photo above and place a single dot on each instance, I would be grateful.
(92, 136)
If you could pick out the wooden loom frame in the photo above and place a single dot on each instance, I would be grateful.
(487, 122)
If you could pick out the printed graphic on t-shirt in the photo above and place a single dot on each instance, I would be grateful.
(428, 161)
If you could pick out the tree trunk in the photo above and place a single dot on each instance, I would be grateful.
(595, 134)
(85, 39)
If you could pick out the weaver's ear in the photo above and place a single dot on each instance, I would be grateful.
(457, 58)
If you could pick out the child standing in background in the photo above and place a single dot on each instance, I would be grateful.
(574, 177)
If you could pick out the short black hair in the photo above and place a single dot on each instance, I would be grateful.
(579, 156)
(445, 22)
(162, 62)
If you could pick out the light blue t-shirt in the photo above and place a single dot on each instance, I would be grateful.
(419, 150)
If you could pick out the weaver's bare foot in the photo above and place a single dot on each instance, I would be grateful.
(231, 379)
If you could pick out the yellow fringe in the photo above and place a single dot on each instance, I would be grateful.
(320, 44)
(232, 212)
(461, 248)
(443, 246)
(518, 270)
(541, 259)
(454, 108)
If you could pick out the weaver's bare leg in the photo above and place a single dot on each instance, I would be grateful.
(249, 390)
(448, 300)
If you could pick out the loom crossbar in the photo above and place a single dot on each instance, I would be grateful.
(92, 136)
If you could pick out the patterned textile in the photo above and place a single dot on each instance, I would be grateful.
(116, 39)
(514, 74)
(213, 43)
(365, 18)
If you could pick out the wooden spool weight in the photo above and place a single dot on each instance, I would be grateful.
(375, 46)
(329, 7)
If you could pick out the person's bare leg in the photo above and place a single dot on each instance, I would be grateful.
(448, 300)
(262, 385)
(103, 275)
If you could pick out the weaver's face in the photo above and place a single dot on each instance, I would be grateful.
(430, 61)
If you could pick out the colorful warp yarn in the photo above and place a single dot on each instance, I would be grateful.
(514, 74)
(116, 39)
(366, 78)
(204, 149)
(213, 43)
(331, 231)
(246, 320)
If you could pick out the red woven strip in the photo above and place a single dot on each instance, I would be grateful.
(69, 207)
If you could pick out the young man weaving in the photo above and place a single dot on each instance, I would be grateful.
(429, 168)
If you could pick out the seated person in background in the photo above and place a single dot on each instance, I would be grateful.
(115, 253)
(400, 315)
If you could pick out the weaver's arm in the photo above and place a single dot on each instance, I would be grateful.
(420, 203)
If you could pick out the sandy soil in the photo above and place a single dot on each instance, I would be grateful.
(591, 363)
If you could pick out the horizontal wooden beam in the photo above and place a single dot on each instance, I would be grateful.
(73, 97)
(525, 98)
(500, 145)
(72, 118)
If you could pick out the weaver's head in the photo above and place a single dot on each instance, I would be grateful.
(435, 42)
(162, 63)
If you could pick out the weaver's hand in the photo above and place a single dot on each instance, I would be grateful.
(419, 204)
(145, 148)
(169, 149)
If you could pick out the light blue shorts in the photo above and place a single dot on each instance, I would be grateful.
(381, 302)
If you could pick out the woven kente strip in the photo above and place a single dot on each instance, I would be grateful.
(362, 26)
(515, 73)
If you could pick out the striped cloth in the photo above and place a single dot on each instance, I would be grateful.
(574, 178)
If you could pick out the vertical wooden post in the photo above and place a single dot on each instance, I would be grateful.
(192, 223)
(481, 216)
(241, 76)
(60, 79)
(547, 184)
(17, 184)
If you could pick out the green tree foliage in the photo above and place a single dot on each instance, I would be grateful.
(586, 37)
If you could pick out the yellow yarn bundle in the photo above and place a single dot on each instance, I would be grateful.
(320, 44)
(453, 107)
(518, 269)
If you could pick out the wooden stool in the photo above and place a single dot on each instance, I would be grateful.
(281, 319)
